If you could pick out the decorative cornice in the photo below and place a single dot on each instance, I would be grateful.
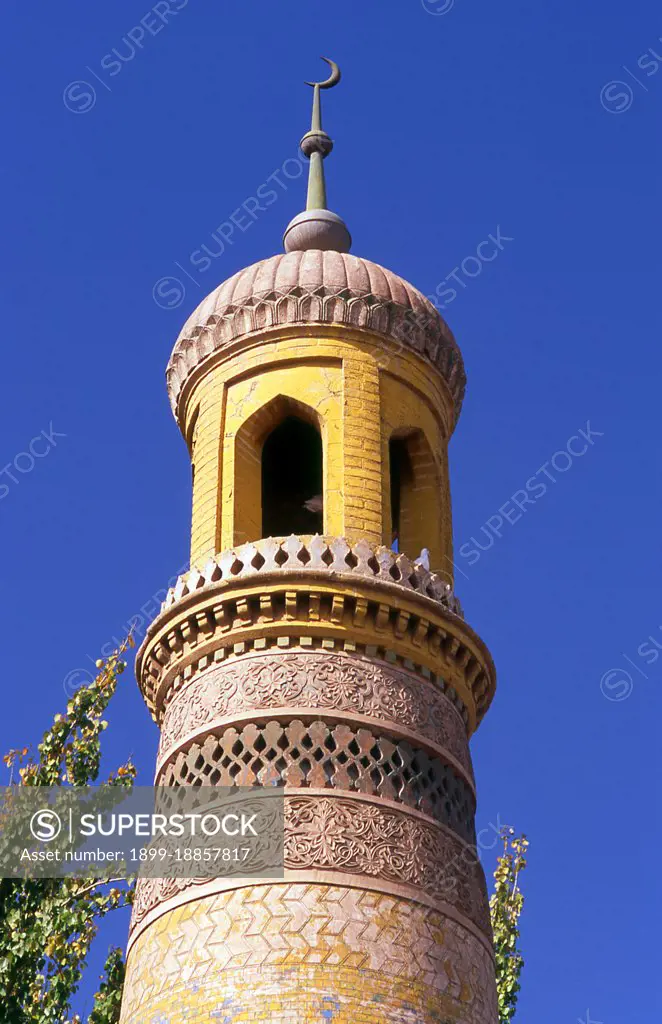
(303, 592)
(190, 667)
(332, 555)
(314, 287)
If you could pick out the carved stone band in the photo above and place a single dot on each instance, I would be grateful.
(370, 842)
(331, 682)
(319, 755)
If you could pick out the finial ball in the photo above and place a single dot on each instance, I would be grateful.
(317, 229)
(316, 142)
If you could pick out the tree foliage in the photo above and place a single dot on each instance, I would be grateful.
(47, 924)
(506, 905)
(108, 999)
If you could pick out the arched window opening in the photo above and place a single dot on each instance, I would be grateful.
(292, 489)
(415, 494)
(402, 477)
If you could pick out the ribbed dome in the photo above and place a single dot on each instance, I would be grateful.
(315, 287)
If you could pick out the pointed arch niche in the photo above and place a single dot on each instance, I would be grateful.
(415, 493)
(279, 472)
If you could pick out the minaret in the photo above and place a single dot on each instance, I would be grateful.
(317, 642)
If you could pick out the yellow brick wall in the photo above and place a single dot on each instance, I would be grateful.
(362, 450)
(359, 394)
(204, 434)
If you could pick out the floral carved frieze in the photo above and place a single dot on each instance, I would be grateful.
(364, 840)
(330, 681)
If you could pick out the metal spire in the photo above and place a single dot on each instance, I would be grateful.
(318, 227)
(316, 144)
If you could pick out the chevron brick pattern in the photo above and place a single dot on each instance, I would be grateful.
(307, 954)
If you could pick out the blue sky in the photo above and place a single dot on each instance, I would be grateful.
(538, 124)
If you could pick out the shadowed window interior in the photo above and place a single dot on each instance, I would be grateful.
(292, 492)
(402, 479)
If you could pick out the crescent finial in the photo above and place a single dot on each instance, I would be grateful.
(333, 78)
(318, 227)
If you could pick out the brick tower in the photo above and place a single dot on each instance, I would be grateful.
(317, 643)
